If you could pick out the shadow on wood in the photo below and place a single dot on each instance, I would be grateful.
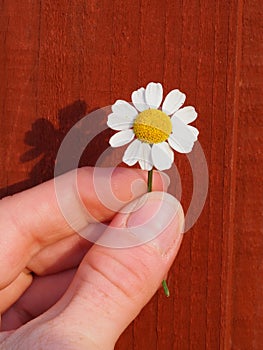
(45, 139)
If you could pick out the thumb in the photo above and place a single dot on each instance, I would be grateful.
(113, 285)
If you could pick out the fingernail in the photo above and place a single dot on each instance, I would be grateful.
(152, 219)
(138, 187)
(165, 179)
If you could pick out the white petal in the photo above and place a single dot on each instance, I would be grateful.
(187, 114)
(138, 99)
(182, 138)
(121, 138)
(121, 108)
(154, 95)
(162, 156)
(145, 160)
(193, 130)
(132, 153)
(120, 122)
(173, 101)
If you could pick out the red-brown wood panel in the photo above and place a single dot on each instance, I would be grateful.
(246, 296)
(62, 59)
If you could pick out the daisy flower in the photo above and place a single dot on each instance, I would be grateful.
(153, 130)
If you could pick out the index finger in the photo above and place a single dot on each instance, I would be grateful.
(33, 219)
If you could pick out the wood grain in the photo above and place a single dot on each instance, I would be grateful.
(61, 60)
(247, 290)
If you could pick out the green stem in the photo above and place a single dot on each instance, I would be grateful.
(149, 189)
(150, 181)
(165, 288)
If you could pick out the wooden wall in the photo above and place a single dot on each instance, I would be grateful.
(62, 59)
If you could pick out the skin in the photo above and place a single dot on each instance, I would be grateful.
(60, 291)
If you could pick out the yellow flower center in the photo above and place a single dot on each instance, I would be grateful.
(152, 126)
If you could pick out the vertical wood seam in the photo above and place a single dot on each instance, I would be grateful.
(38, 55)
(230, 161)
(210, 156)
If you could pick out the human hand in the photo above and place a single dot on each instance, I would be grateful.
(57, 290)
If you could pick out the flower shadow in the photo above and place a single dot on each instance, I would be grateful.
(44, 140)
